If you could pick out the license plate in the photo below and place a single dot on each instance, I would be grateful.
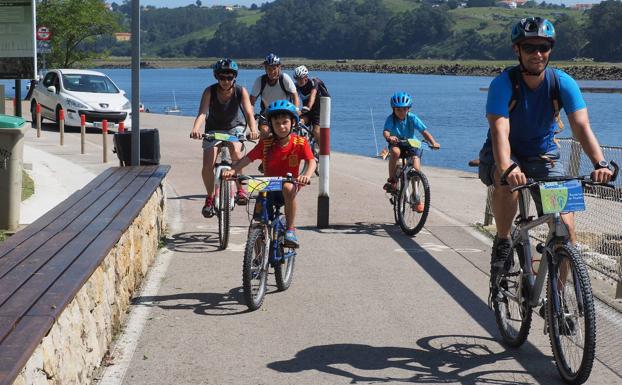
(265, 184)
(414, 143)
(566, 196)
(100, 125)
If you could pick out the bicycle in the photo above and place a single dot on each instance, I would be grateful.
(307, 132)
(569, 306)
(224, 189)
(413, 189)
(265, 245)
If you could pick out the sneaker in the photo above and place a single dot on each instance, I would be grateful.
(290, 239)
(241, 197)
(419, 207)
(260, 168)
(390, 186)
(502, 256)
(208, 208)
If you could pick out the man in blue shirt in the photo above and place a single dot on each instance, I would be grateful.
(524, 133)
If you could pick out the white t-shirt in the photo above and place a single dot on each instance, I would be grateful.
(275, 92)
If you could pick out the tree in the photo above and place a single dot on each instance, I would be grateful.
(604, 31)
(75, 23)
(570, 38)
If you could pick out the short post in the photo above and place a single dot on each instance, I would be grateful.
(488, 215)
(619, 290)
(323, 199)
(105, 139)
(38, 119)
(82, 133)
(61, 125)
(121, 127)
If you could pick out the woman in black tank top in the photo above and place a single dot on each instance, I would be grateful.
(221, 109)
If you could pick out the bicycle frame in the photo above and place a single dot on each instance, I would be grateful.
(270, 217)
(220, 167)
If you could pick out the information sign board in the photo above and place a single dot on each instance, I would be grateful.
(18, 59)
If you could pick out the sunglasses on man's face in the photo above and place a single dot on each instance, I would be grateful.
(531, 48)
(226, 77)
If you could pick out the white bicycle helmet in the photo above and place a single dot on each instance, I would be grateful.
(301, 72)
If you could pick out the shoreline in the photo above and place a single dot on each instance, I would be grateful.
(579, 70)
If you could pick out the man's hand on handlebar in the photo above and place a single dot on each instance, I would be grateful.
(392, 139)
(516, 177)
(196, 134)
(602, 175)
(228, 173)
(253, 134)
(303, 179)
(434, 145)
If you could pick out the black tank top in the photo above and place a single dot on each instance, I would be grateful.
(224, 116)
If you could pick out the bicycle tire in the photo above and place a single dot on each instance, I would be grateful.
(513, 316)
(414, 185)
(284, 268)
(224, 213)
(255, 268)
(316, 151)
(574, 335)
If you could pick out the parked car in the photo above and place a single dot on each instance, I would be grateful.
(78, 92)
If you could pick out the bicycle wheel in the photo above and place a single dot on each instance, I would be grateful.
(570, 315)
(512, 313)
(224, 212)
(284, 268)
(413, 202)
(255, 268)
(315, 148)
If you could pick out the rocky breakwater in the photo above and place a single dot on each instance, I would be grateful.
(580, 72)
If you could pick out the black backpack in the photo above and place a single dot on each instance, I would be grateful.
(321, 87)
(264, 82)
(515, 73)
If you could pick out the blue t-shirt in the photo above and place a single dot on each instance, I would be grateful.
(532, 124)
(404, 129)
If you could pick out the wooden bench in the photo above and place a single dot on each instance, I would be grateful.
(43, 266)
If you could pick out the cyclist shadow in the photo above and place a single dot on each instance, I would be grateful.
(195, 197)
(364, 228)
(439, 359)
(192, 242)
(212, 304)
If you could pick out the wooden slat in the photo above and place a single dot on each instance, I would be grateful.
(55, 212)
(17, 348)
(98, 197)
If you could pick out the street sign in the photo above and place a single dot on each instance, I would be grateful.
(44, 47)
(18, 57)
(43, 33)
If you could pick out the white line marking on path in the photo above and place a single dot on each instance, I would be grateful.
(123, 349)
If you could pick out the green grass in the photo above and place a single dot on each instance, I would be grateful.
(2, 236)
(28, 186)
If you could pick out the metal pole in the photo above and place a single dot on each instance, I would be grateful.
(82, 133)
(105, 140)
(61, 126)
(18, 97)
(135, 82)
(323, 199)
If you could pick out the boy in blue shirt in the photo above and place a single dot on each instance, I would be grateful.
(403, 124)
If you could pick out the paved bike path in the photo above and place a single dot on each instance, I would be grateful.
(367, 304)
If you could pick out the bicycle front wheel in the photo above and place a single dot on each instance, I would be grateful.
(570, 315)
(255, 268)
(284, 266)
(413, 202)
(224, 212)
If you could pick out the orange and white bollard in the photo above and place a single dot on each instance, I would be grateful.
(82, 133)
(37, 118)
(105, 139)
(61, 126)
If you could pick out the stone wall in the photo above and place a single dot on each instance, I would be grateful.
(80, 337)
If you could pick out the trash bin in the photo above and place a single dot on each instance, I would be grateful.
(12, 131)
(149, 147)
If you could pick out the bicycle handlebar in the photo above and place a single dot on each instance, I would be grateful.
(584, 179)
(405, 142)
(284, 179)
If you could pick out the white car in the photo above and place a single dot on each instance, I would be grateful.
(81, 92)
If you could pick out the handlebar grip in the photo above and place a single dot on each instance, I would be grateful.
(616, 169)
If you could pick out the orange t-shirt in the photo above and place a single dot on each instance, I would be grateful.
(277, 160)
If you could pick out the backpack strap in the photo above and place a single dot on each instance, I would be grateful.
(554, 91)
(514, 74)
(264, 82)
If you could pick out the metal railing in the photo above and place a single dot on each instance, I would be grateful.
(598, 228)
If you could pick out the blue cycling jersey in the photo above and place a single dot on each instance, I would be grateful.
(404, 129)
(532, 124)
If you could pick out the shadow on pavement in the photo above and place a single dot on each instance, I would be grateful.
(528, 356)
(375, 229)
(438, 359)
(214, 304)
(192, 242)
